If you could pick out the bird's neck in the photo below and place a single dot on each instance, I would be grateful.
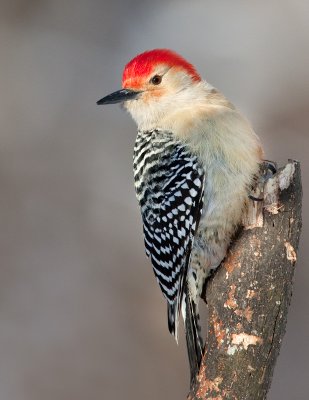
(178, 111)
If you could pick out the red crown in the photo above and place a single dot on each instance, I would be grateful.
(143, 64)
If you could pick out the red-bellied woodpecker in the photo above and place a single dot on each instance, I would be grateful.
(195, 158)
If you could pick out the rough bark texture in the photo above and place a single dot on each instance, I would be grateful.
(249, 295)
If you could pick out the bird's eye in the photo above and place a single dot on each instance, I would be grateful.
(156, 80)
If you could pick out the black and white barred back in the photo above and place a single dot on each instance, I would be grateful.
(169, 183)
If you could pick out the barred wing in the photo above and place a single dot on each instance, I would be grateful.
(172, 220)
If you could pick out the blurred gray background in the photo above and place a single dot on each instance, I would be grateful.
(81, 316)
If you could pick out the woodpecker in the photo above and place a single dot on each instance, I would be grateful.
(195, 159)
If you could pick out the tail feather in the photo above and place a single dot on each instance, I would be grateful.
(194, 341)
(192, 329)
(173, 319)
(173, 309)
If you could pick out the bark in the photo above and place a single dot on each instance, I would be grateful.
(249, 295)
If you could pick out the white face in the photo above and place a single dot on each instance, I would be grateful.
(161, 91)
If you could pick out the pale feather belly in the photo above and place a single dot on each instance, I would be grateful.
(221, 217)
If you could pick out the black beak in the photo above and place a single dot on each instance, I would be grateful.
(119, 96)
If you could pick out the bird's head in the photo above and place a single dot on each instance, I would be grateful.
(154, 83)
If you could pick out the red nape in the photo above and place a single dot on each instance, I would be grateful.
(142, 65)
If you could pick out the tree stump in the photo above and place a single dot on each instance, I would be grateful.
(249, 295)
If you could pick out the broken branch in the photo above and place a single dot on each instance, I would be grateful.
(249, 295)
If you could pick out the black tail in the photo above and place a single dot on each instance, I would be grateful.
(171, 316)
(194, 341)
